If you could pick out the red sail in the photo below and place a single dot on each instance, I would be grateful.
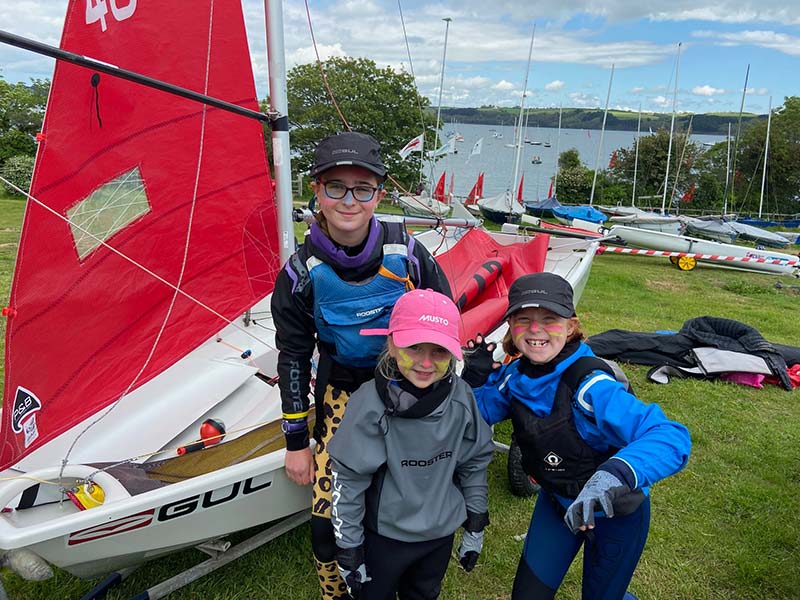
(519, 191)
(182, 190)
(475, 193)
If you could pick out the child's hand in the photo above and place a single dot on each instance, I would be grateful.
(352, 569)
(599, 493)
(478, 361)
(470, 549)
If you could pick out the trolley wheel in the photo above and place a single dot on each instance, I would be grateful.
(686, 263)
(519, 482)
(673, 260)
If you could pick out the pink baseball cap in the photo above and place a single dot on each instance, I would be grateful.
(421, 316)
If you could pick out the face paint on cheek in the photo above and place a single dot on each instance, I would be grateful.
(441, 366)
(517, 332)
(555, 330)
(404, 361)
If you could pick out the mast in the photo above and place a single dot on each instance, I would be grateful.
(671, 131)
(727, 173)
(602, 131)
(766, 155)
(732, 189)
(636, 159)
(518, 136)
(558, 147)
(280, 129)
(441, 87)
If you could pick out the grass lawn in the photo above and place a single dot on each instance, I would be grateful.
(725, 527)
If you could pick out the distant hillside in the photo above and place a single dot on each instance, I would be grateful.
(592, 118)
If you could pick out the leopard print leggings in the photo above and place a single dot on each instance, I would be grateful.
(331, 584)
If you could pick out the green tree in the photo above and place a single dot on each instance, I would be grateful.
(377, 101)
(574, 185)
(21, 113)
(783, 163)
(17, 170)
(569, 159)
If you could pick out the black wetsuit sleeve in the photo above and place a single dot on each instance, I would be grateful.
(295, 338)
(430, 275)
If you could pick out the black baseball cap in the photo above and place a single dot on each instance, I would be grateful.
(541, 290)
(348, 148)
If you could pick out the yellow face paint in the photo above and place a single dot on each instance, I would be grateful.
(404, 360)
(554, 330)
(441, 366)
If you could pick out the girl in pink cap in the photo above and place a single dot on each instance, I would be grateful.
(409, 460)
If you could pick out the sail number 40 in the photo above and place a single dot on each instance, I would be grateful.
(96, 10)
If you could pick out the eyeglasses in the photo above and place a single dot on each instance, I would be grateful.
(336, 190)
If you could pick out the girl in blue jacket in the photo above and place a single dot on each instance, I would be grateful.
(594, 448)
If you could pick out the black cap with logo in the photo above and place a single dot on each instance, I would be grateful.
(541, 290)
(348, 148)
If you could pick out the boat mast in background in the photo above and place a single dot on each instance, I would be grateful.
(727, 174)
(281, 154)
(636, 159)
(671, 132)
(558, 147)
(519, 136)
(766, 156)
(602, 132)
(441, 87)
(731, 189)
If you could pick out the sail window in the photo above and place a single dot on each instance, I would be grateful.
(111, 207)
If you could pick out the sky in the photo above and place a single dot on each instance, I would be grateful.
(575, 44)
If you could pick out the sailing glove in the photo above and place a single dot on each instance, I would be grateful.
(478, 361)
(599, 493)
(472, 541)
(470, 549)
(352, 569)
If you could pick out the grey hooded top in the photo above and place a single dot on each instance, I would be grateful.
(405, 475)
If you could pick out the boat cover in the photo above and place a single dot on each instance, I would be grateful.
(480, 284)
(583, 212)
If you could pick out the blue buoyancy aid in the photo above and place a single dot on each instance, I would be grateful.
(342, 309)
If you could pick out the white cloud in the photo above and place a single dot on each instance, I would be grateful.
(637, 90)
(660, 101)
(751, 91)
(584, 100)
(503, 86)
(781, 42)
(305, 55)
(554, 86)
(706, 90)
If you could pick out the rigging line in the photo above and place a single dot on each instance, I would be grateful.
(188, 238)
(680, 160)
(411, 67)
(322, 68)
(732, 190)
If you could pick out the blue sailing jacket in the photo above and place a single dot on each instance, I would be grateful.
(342, 309)
(606, 416)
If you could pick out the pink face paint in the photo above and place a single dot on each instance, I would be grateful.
(554, 330)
